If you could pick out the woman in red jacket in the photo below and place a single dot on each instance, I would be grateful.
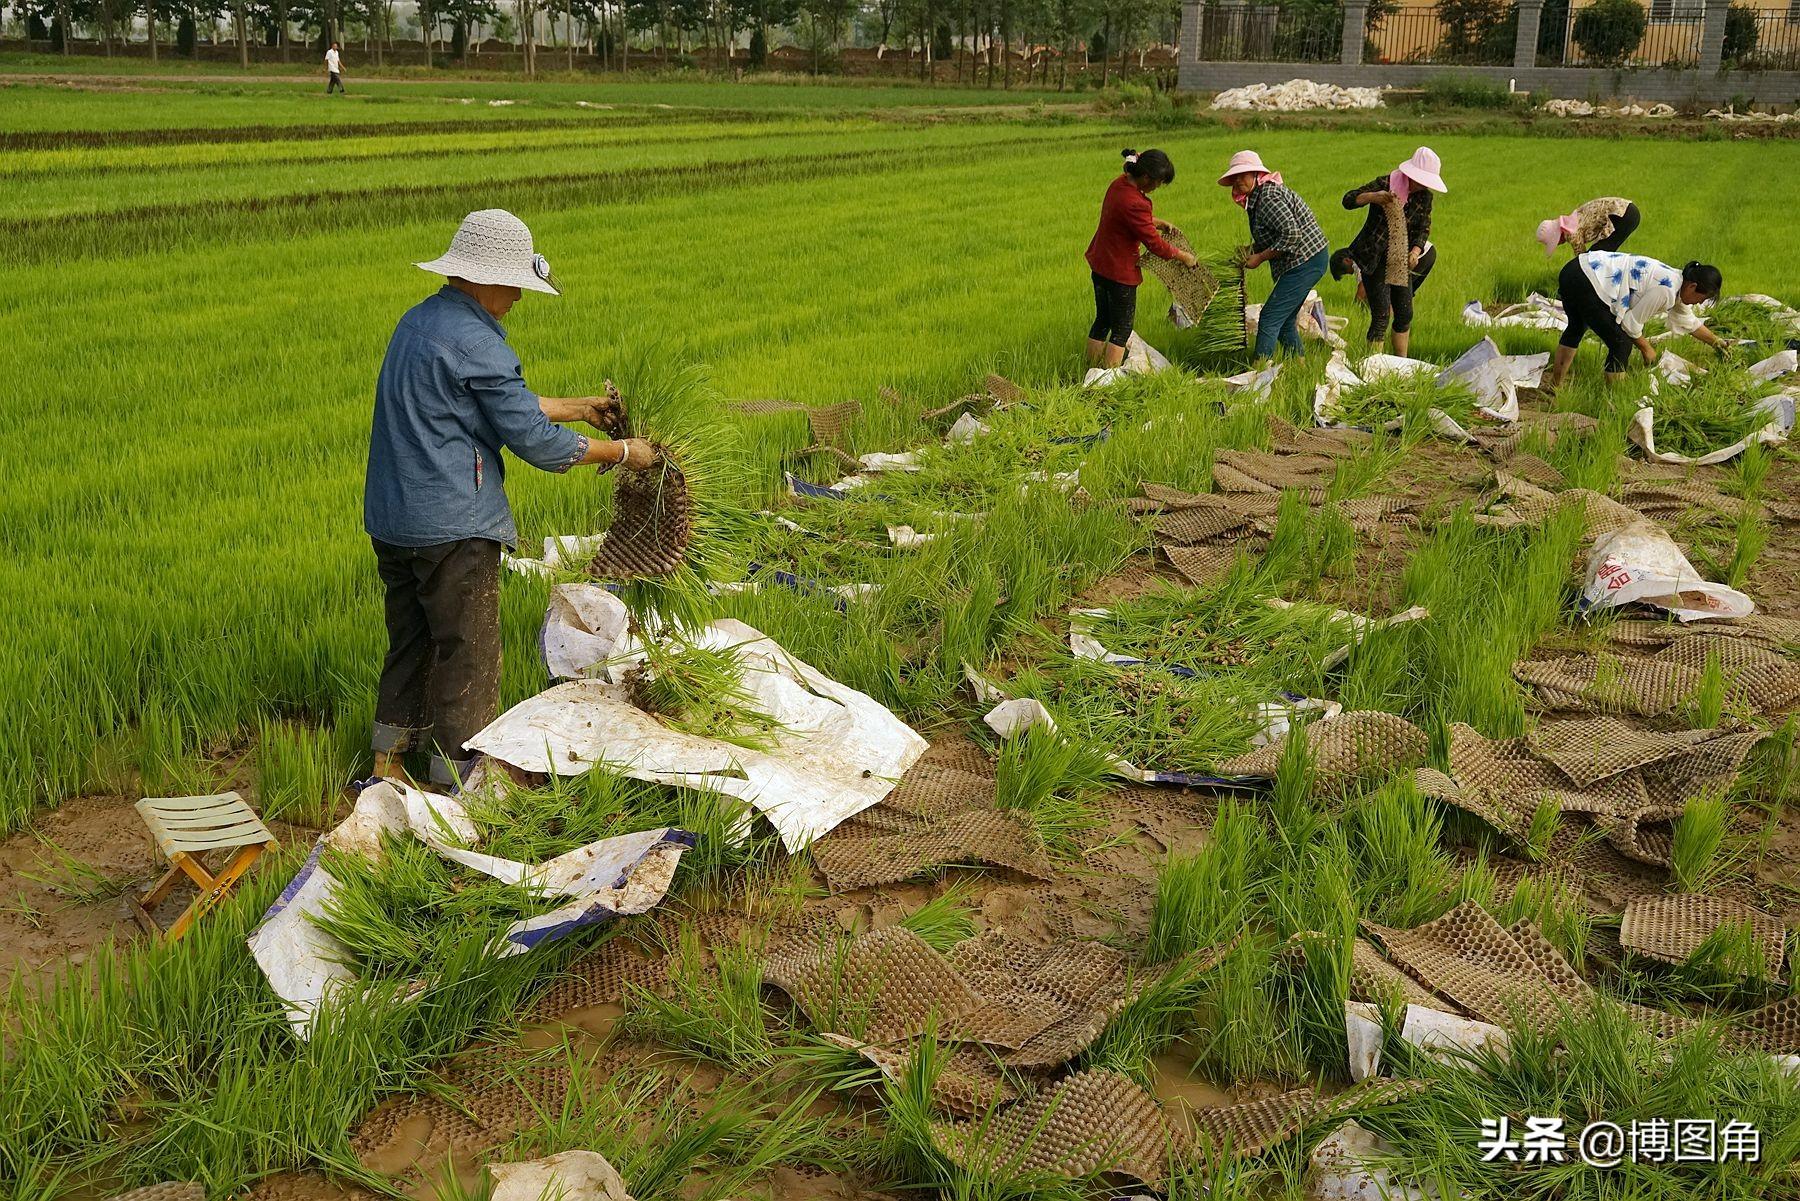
(1126, 221)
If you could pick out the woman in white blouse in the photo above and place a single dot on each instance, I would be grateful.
(1616, 295)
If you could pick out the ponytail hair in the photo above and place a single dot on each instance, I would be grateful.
(1152, 166)
(1703, 276)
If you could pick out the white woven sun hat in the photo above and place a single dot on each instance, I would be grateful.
(494, 247)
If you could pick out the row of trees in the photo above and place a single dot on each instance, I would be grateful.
(1011, 40)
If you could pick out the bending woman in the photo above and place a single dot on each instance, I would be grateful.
(1284, 234)
(1126, 221)
(1601, 224)
(1615, 295)
(1393, 240)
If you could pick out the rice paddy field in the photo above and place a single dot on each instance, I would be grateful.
(1570, 838)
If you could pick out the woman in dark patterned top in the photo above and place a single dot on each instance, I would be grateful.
(1393, 239)
(1284, 234)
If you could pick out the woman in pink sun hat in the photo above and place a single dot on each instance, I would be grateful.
(1393, 239)
(1601, 224)
(1284, 234)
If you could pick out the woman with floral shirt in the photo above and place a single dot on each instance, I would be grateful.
(1616, 295)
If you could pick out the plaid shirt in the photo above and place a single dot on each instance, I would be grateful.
(1280, 221)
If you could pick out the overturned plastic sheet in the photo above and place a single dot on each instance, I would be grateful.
(600, 881)
(1640, 564)
(582, 624)
(1141, 358)
(1536, 311)
(838, 751)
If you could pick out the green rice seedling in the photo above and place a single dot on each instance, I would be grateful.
(1697, 857)
(1546, 819)
(714, 1014)
(1713, 410)
(697, 690)
(1158, 1013)
(1202, 899)
(1747, 321)
(301, 771)
(1601, 1064)
(946, 919)
(1407, 399)
(1403, 876)
(1146, 715)
(1706, 707)
(831, 1065)
(1237, 1035)
(1559, 913)
(1730, 954)
(403, 914)
(533, 825)
(75, 879)
(1747, 472)
(1752, 536)
(1052, 778)
(1512, 283)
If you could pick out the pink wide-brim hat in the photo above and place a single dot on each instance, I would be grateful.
(1243, 163)
(1423, 167)
(1549, 232)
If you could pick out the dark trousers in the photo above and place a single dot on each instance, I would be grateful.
(1585, 310)
(1623, 226)
(440, 682)
(1115, 310)
(1384, 299)
(335, 83)
(1279, 321)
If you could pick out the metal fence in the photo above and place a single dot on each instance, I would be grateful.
(1267, 33)
(1419, 33)
(1763, 39)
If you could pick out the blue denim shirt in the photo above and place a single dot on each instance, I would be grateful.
(450, 395)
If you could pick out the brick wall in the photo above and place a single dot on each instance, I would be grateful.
(1653, 85)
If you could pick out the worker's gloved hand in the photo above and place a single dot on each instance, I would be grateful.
(639, 455)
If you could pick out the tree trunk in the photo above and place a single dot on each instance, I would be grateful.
(281, 28)
(150, 22)
(243, 34)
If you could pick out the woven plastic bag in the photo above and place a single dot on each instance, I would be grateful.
(1640, 564)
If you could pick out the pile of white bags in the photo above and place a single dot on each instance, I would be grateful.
(1296, 95)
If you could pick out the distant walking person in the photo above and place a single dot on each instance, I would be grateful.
(1393, 241)
(1112, 256)
(450, 396)
(1601, 224)
(1284, 234)
(1615, 295)
(334, 70)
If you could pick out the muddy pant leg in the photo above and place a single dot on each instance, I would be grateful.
(400, 699)
(461, 596)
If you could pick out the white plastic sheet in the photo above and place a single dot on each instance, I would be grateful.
(1443, 1035)
(561, 552)
(566, 1176)
(1141, 358)
(305, 966)
(1345, 1167)
(1779, 410)
(1640, 564)
(1363, 1034)
(1296, 95)
(838, 752)
(582, 624)
(1536, 311)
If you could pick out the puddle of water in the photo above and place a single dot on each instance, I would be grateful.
(586, 1027)
(1174, 1083)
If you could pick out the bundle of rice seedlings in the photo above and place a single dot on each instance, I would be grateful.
(1211, 294)
(532, 825)
(406, 913)
(1746, 321)
(1711, 411)
(677, 526)
(700, 691)
(1146, 715)
(1407, 399)
(1232, 628)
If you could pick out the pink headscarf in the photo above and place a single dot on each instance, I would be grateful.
(1262, 178)
(1400, 184)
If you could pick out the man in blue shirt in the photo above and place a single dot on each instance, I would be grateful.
(450, 396)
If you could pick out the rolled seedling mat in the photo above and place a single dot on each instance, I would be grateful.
(1095, 1121)
(652, 523)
